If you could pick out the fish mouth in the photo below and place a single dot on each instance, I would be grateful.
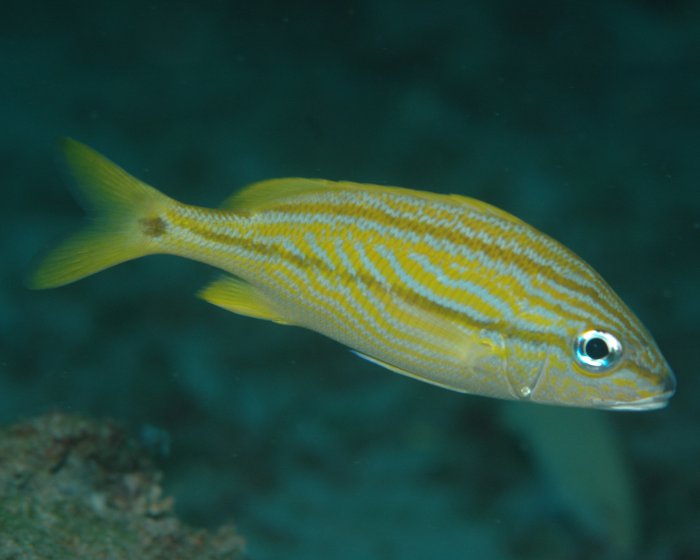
(648, 403)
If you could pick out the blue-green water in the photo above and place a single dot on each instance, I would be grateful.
(581, 118)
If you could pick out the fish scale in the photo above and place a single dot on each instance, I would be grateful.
(442, 288)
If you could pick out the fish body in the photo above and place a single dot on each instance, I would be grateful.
(443, 288)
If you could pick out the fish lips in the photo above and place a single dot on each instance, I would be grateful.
(648, 403)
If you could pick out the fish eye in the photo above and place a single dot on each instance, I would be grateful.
(597, 351)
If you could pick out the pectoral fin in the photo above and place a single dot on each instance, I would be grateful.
(238, 296)
(382, 363)
(402, 371)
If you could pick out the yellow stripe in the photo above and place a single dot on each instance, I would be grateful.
(317, 219)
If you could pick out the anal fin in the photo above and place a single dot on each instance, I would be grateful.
(238, 296)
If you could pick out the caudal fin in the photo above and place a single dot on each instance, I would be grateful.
(124, 220)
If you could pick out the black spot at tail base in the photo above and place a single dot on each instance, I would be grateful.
(153, 227)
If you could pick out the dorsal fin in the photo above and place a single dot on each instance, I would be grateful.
(259, 195)
(263, 194)
(486, 208)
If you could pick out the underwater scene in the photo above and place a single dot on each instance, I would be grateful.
(420, 280)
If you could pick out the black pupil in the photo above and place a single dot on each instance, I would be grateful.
(597, 349)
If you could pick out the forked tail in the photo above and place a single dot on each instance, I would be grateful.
(124, 220)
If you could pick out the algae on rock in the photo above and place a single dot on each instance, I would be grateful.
(72, 487)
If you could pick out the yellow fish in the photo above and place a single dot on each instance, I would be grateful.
(443, 288)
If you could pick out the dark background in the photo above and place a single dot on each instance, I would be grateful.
(581, 118)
